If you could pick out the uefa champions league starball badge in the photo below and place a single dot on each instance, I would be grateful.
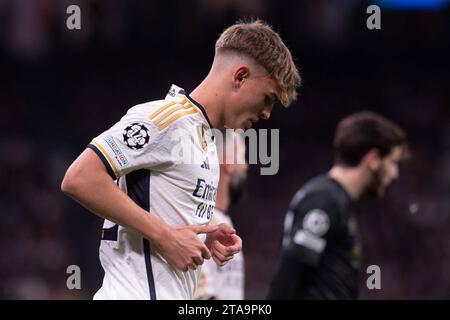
(136, 136)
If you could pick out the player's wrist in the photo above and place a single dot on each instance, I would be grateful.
(161, 233)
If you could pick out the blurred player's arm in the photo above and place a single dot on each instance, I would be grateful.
(289, 275)
(88, 182)
(205, 288)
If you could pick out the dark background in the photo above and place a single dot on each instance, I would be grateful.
(60, 88)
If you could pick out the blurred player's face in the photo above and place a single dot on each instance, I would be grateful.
(252, 98)
(238, 171)
(236, 186)
(387, 172)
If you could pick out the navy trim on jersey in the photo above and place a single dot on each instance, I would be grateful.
(138, 188)
(110, 233)
(105, 162)
(148, 265)
(198, 105)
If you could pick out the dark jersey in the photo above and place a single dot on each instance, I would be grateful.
(319, 257)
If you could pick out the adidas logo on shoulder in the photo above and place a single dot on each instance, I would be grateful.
(171, 93)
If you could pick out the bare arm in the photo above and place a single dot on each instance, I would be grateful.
(88, 182)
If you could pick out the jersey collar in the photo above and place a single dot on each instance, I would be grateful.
(175, 90)
(198, 105)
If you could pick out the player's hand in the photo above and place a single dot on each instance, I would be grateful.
(182, 248)
(223, 244)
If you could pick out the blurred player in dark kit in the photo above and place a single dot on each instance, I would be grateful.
(320, 253)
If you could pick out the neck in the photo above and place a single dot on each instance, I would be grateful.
(208, 95)
(223, 197)
(352, 179)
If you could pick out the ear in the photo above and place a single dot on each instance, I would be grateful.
(239, 76)
(372, 159)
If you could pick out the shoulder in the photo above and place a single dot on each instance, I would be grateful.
(165, 117)
(318, 192)
(176, 112)
(316, 209)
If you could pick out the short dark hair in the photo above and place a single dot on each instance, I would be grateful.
(358, 133)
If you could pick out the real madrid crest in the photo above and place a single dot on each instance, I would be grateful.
(201, 137)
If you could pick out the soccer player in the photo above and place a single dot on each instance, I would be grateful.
(156, 204)
(320, 254)
(227, 282)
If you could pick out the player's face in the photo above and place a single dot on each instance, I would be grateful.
(387, 173)
(252, 101)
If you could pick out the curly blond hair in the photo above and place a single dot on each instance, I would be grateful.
(259, 41)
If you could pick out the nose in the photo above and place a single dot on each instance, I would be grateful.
(265, 114)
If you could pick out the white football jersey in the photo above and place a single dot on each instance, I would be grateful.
(222, 283)
(163, 155)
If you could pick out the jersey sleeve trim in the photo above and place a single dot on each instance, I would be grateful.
(107, 161)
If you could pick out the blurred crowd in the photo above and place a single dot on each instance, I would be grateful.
(60, 88)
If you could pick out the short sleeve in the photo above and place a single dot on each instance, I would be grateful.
(314, 223)
(133, 143)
